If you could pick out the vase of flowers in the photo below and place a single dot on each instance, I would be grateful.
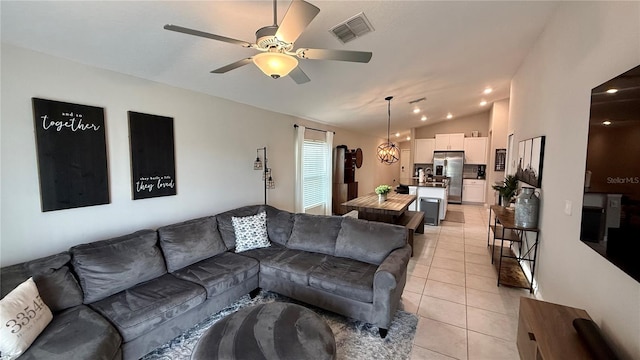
(382, 192)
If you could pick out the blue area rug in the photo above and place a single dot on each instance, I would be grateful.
(354, 339)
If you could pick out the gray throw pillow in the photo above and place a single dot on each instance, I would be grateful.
(369, 241)
(188, 242)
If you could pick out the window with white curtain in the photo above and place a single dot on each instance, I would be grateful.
(315, 183)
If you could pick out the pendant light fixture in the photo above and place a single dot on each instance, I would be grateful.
(388, 152)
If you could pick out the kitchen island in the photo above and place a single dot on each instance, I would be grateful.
(437, 189)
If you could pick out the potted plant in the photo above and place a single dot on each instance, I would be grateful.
(507, 189)
(382, 192)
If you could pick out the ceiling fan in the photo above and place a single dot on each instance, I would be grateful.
(277, 56)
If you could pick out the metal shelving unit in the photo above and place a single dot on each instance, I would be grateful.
(504, 229)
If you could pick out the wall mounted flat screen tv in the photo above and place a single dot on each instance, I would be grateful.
(611, 204)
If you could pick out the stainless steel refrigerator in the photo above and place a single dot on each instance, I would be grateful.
(450, 164)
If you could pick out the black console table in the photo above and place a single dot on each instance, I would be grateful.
(509, 264)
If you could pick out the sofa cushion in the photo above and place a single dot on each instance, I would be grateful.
(188, 242)
(263, 253)
(143, 307)
(315, 233)
(109, 266)
(58, 288)
(345, 277)
(225, 225)
(292, 265)
(251, 231)
(219, 273)
(279, 224)
(85, 334)
(23, 316)
(369, 241)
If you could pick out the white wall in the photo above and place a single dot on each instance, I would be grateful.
(498, 123)
(215, 145)
(585, 44)
(464, 124)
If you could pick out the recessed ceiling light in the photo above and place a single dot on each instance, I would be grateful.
(408, 138)
(416, 110)
(424, 118)
(487, 90)
(606, 122)
(483, 102)
(612, 91)
(397, 134)
(449, 116)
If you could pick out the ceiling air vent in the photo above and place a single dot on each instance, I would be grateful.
(354, 27)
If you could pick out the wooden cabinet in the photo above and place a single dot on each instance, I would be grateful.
(342, 193)
(344, 172)
(475, 150)
(473, 190)
(453, 142)
(545, 331)
(424, 151)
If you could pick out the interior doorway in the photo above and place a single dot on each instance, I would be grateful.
(405, 164)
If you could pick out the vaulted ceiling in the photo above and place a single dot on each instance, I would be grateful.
(445, 51)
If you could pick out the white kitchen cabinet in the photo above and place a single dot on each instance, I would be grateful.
(452, 142)
(475, 150)
(473, 191)
(413, 190)
(424, 151)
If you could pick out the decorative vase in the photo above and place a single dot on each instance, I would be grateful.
(527, 205)
(506, 201)
(382, 198)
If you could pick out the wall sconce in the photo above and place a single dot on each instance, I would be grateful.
(267, 179)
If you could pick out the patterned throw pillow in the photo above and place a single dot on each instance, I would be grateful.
(23, 316)
(251, 232)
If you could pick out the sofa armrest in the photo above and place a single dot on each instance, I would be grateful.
(391, 271)
(388, 284)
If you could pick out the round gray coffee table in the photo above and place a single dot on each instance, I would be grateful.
(268, 331)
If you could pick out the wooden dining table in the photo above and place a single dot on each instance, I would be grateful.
(393, 211)
(369, 208)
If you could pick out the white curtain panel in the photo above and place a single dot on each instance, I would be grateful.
(329, 173)
(298, 196)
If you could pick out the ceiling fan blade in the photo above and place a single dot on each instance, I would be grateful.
(340, 55)
(298, 17)
(299, 76)
(188, 31)
(232, 66)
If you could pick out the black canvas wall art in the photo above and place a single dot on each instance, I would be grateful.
(153, 171)
(72, 154)
(530, 159)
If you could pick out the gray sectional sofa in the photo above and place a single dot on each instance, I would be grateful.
(123, 297)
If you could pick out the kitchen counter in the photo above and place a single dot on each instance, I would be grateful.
(414, 182)
(431, 189)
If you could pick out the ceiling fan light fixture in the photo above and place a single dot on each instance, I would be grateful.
(275, 64)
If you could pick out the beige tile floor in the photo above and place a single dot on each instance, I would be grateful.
(452, 287)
